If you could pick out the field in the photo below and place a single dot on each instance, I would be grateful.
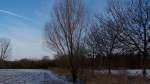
(39, 76)
(26, 76)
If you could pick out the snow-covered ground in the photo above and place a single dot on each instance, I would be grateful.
(29, 76)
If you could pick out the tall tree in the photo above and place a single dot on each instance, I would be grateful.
(66, 30)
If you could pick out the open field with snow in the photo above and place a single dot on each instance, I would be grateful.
(28, 76)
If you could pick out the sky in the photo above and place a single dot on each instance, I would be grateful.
(23, 21)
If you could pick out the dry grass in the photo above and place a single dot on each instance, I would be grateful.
(99, 78)
(116, 79)
(60, 71)
(106, 79)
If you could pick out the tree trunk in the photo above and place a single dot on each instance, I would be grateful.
(144, 65)
(109, 65)
(93, 63)
(74, 77)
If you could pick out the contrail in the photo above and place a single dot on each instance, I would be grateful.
(14, 14)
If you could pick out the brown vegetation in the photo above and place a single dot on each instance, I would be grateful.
(101, 78)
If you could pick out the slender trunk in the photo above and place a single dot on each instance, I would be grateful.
(92, 63)
(142, 24)
(74, 76)
(92, 66)
(109, 65)
(144, 65)
(145, 52)
(73, 70)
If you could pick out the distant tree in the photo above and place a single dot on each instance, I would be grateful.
(65, 32)
(46, 58)
(4, 48)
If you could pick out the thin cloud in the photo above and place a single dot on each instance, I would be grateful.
(14, 14)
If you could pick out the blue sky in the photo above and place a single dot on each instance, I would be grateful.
(22, 21)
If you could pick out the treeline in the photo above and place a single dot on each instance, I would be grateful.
(120, 62)
(27, 64)
(100, 62)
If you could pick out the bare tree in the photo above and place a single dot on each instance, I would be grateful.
(104, 38)
(65, 32)
(46, 58)
(134, 19)
(4, 48)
